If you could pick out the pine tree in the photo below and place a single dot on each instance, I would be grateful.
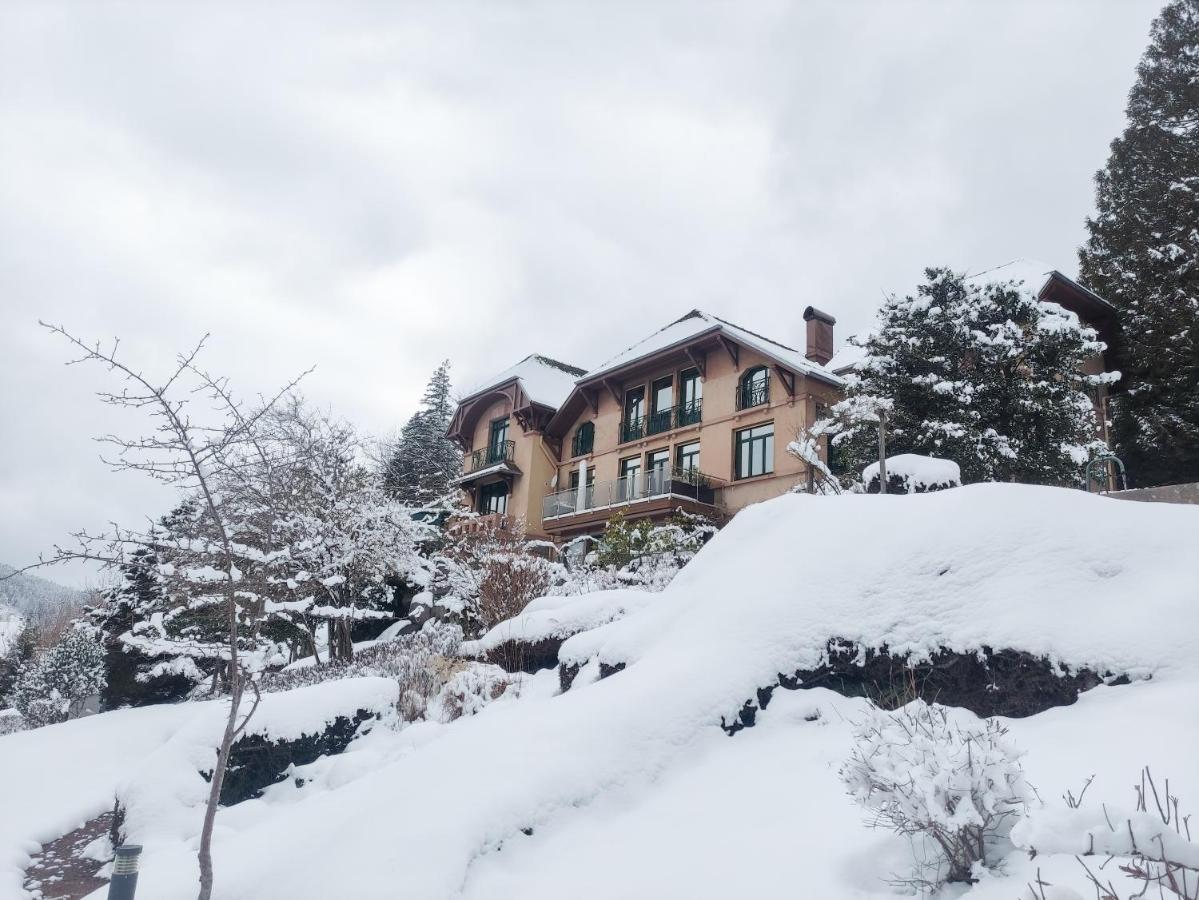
(420, 467)
(18, 654)
(984, 375)
(1143, 250)
(54, 687)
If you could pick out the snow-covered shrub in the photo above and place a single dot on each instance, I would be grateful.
(471, 687)
(638, 554)
(1153, 840)
(55, 686)
(11, 722)
(484, 576)
(911, 473)
(420, 663)
(955, 790)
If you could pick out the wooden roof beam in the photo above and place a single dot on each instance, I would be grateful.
(788, 380)
(698, 359)
(733, 351)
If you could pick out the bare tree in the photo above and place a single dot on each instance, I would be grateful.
(196, 456)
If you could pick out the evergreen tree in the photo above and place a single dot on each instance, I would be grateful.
(984, 375)
(54, 687)
(420, 467)
(18, 654)
(1142, 254)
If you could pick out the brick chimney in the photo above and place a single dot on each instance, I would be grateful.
(820, 335)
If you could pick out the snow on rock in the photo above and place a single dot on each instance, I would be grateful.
(560, 617)
(917, 473)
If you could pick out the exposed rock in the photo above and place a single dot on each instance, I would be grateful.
(256, 762)
(991, 682)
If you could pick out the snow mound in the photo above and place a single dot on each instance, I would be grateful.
(918, 473)
(1047, 571)
(628, 787)
(560, 617)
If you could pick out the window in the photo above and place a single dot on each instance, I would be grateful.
(634, 415)
(662, 394)
(493, 498)
(630, 476)
(691, 398)
(584, 440)
(657, 471)
(686, 457)
(497, 446)
(754, 388)
(590, 486)
(754, 451)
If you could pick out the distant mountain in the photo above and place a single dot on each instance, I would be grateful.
(28, 594)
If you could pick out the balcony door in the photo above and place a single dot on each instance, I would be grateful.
(691, 398)
(498, 444)
(657, 474)
(634, 414)
(662, 395)
(630, 478)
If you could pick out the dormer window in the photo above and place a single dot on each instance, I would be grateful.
(584, 440)
(754, 388)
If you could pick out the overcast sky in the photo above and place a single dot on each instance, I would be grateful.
(371, 188)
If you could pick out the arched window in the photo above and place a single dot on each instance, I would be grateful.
(754, 388)
(584, 439)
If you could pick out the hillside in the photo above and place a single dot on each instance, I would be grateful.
(27, 593)
(635, 785)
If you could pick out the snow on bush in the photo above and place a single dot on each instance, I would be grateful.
(914, 474)
(55, 686)
(470, 688)
(11, 722)
(419, 663)
(1153, 841)
(954, 789)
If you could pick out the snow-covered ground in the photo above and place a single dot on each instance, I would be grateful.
(629, 786)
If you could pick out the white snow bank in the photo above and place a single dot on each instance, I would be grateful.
(560, 617)
(1061, 573)
(917, 471)
(54, 779)
(630, 787)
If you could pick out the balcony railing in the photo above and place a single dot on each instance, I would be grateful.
(688, 413)
(632, 429)
(753, 394)
(661, 482)
(488, 456)
(655, 423)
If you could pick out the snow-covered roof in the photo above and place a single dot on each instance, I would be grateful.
(698, 322)
(544, 380)
(848, 356)
(1033, 272)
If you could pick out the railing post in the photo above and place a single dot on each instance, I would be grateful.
(124, 872)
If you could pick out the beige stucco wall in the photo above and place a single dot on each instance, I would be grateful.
(530, 455)
(721, 420)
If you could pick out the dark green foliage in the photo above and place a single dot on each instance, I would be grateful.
(978, 373)
(17, 655)
(420, 466)
(1142, 253)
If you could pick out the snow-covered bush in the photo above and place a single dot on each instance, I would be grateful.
(638, 554)
(11, 722)
(955, 790)
(419, 663)
(471, 687)
(55, 686)
(911, 473)
(1153, 841)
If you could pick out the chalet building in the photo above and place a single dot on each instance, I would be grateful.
(695, 417)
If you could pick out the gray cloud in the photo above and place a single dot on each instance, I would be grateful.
(372, 188)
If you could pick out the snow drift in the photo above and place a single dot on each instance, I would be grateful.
(628, 787)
